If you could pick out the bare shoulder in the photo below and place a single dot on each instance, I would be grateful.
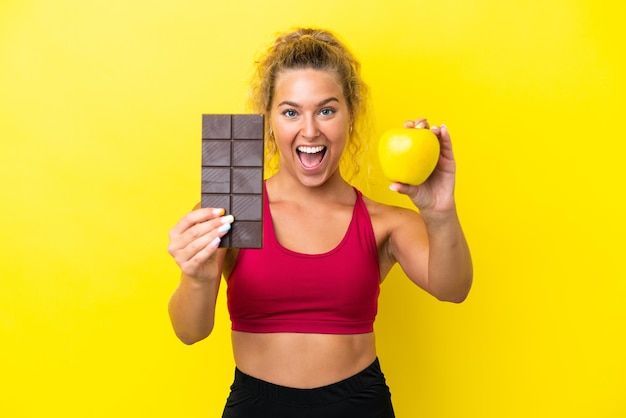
(390, 215)
(394, 227)
(389, 220)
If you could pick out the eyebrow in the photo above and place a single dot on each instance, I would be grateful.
(294, 104)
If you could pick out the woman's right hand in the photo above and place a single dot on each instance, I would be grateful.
(194, 241)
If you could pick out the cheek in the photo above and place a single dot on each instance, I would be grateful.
(285, 133)
(341, 133)
(282, 140)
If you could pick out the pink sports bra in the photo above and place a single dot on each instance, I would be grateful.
(274, 289)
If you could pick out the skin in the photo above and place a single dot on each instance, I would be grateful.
(309, 109)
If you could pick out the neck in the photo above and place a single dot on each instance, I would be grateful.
(282, 186)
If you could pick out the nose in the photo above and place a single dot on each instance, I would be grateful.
(309, 129)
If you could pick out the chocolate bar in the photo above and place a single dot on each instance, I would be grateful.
(232, 174)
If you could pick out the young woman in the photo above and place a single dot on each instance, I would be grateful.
(303, 306)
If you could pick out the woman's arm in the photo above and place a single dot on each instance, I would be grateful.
(433, 253)
(194, 245)
(431, 247)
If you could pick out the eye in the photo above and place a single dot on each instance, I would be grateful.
(327, 111)
(290, 113)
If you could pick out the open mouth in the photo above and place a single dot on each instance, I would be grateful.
(311, 157)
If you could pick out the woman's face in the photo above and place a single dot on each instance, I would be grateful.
(310, 120)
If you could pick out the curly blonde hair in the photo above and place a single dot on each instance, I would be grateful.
(318, 49)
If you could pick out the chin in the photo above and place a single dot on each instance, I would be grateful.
(313, 181)
(318, 179)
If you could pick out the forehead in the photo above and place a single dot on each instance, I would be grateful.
(307, 83)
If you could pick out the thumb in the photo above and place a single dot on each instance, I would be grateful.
(400, 187)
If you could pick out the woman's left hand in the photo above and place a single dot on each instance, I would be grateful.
(436, 194)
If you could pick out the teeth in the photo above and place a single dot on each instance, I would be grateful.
(310, 150)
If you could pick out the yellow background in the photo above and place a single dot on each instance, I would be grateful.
(100, 105)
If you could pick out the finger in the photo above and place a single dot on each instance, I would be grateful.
(180, 240)
(445, 142)
(202, 247)
(194, 217)
(417, 124)
(193, 266)
(220, 225)
(201, 237)
(421, 123)
(400, 187)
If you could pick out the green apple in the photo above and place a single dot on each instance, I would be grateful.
(408, 155)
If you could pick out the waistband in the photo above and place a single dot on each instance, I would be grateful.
(334, 392)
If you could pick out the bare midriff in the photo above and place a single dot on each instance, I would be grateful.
(302, 360)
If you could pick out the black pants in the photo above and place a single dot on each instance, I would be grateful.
(364, 395)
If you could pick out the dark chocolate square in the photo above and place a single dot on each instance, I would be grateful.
(249, 207)
(216, 153)
(246, 180)
(245, 234)
(216, 127)
(216, 180)
(216, 201)
(248, 153)
(248, 127)
(232, 174)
